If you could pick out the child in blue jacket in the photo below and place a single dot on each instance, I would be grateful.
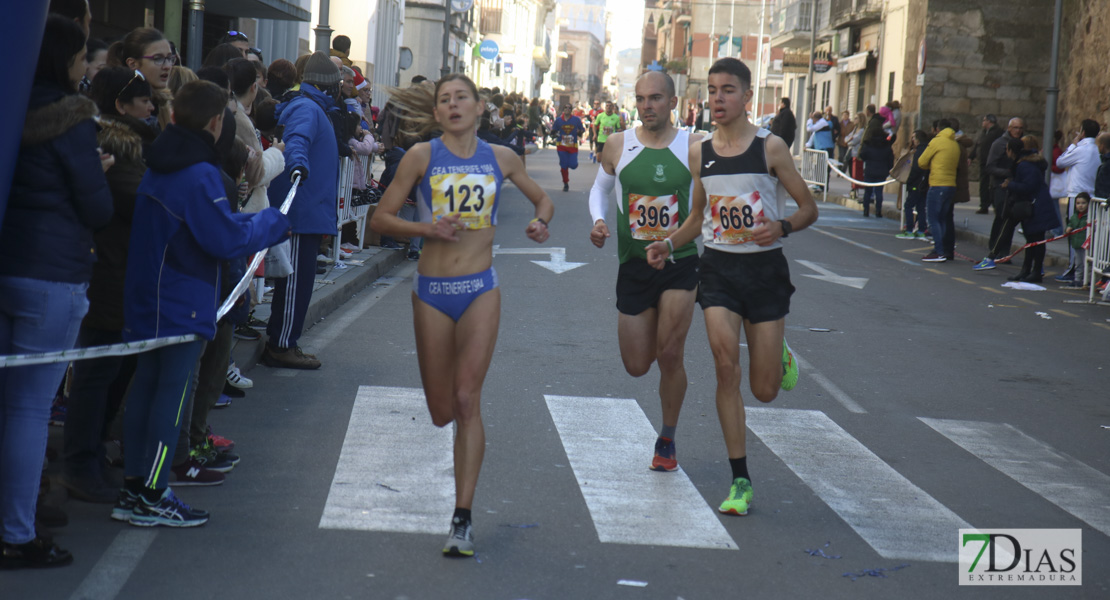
(182, 228)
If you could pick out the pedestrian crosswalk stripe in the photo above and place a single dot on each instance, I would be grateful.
(395, 471)
(894, 516)
(609, 443)
(1062, 480)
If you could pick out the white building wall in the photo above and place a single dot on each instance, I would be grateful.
(892, 50)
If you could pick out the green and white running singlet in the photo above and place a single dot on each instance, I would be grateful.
(607, 125)
(653, 195)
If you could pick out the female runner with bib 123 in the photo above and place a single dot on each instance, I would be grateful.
(455, 302)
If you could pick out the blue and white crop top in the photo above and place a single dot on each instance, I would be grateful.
(468, 187)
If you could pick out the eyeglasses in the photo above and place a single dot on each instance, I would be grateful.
(238, 35)
(138, 75)
(162, 59)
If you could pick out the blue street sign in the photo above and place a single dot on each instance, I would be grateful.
(488, 50)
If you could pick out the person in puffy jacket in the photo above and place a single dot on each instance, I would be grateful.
(183, 226)
(311, 157)
(1028, 185)
(58, 198)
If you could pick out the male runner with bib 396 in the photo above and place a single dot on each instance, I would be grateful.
(648, 166)
(740, 174)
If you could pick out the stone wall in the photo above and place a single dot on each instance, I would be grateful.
(988, 56)
(1084, 78)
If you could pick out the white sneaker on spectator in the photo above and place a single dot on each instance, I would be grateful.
(323, 258)
(237, 379)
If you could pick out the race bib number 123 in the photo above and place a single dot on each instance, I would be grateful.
(468, 195)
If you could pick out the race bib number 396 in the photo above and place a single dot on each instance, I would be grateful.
(652, 218)
(468, 195)
(734, 217)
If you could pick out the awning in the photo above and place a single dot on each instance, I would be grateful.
(855, 62)
(279, 10)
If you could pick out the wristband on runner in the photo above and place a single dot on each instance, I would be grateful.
(670, 247)
(538, 220)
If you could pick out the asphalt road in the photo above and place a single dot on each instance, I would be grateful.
(931, 399)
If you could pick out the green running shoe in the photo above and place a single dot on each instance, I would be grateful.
(905, 235)
(739, 498)
(789, 367)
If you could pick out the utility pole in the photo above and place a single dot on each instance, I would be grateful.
(731, 26)
(445, 67)
(1053, 92)
(759, 62)
(196, 33)
(323, 32)
(811, 88)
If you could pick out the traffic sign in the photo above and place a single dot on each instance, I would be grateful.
(488, 50)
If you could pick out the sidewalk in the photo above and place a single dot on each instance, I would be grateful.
(970, 227)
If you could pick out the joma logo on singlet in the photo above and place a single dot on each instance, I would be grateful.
(709, 164)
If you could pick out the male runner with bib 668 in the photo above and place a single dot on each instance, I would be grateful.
(741, 175)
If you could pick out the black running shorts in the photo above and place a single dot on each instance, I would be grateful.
(639, 286)
(755, 286)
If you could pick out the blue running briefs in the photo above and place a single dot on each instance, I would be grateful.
(453, 295)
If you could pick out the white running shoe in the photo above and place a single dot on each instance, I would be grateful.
(237, 379)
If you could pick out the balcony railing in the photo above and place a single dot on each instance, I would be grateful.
(843, 13)
(791, 18)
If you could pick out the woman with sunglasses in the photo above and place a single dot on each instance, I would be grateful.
(148, 51)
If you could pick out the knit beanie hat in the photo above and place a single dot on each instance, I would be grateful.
(320, 71)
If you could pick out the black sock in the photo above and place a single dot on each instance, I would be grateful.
(133, 485)
(739, 467)
(462, 514)
(152, 495)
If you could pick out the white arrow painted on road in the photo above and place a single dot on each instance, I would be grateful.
(557, 257)
(827, 275)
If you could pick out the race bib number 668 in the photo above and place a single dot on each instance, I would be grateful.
(468, 195)
(734, 217)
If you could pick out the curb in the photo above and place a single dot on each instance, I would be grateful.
(325, 301)
(966, 235)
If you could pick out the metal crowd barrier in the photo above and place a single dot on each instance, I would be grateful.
(1098, 247)
(346, 211)
(815, 170)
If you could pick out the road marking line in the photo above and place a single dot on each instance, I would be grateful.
(962, 280)
(937, 271)
(1062, 480)
(1027, 301)
(894, 516)
(990, 289)
(1063, 312)
(395, 471)
(111, 572)
(609, 443)
(865, 246)
(844, 399)
(1103, 325)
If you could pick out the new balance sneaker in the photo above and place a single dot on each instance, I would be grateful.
(984, 265)
(739, 498)
(236, 378)
(460, 540)
(905, 235)
(664, 459)
(125, 505)
(167, 511)
(243, 332)
(208, 457)
(933, 257)
(289, 358)
(789, 367)
(192, 473)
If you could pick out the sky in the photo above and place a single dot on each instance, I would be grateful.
(625, 26)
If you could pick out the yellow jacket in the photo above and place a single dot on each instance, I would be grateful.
(941, 158)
